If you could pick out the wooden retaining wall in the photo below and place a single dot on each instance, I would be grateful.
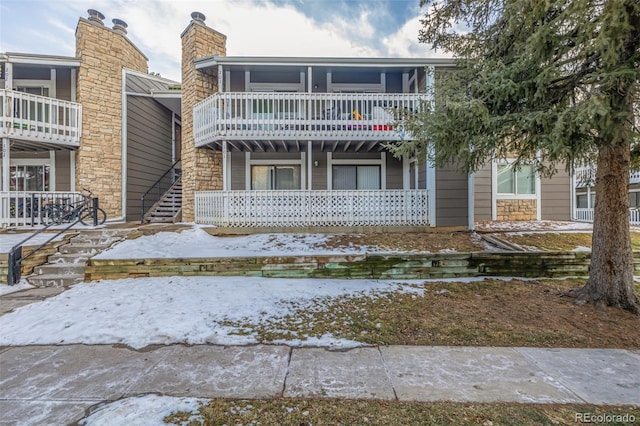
(39, 258)
(401, 266)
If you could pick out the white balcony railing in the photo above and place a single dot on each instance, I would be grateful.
(21, 208)
(312, 208)
(307, 116)
(586, 176)
(39, 118)
(586, 215)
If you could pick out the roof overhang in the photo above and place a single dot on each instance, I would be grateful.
(44, 60)
(214, 61)
(170, 99)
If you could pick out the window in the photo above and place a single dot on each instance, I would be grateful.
(582, 200)
(516, 182)
(29, 178)
(634, 200)
(356, 177)
(275, 177)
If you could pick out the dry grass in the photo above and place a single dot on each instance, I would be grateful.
(557, 240)
(306, 412)
(483, 313)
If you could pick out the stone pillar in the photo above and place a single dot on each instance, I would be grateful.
(201, 167)
(103, 53)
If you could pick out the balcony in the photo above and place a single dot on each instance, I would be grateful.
(39, 121)
(586, 176)
(313, 208)
(251, 116)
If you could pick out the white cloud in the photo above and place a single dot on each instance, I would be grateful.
(404, 42)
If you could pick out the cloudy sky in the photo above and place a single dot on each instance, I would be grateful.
(359, 28)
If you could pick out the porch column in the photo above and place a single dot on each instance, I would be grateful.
(309, 165)
(431, 186)
(471, 194)
(6, 164)
(225, 185)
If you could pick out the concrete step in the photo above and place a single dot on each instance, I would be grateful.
(106, 232)
(159, 213)
(153, 219)
(60, 269)
(103, 239)
(55, 280)
(68, 258)
(89, 249)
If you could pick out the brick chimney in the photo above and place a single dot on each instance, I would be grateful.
(201, 168)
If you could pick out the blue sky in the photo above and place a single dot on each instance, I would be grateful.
(359, 28)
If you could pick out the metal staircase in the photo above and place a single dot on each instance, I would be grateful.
(168, 207)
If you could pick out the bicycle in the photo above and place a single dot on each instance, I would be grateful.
(84, 211)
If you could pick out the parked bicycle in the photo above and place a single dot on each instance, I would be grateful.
(67, 211)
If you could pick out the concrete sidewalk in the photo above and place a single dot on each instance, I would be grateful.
(56, 384)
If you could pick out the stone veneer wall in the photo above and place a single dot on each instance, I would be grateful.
(103, 53)
(516, 210)
(201, 167)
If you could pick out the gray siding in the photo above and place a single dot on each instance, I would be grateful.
(482, 197)
(452, 203)
(394, 172)
(148, 148)
(555, 197)
(63, 84)
(63, 171)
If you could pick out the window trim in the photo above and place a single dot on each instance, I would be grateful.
(382, 162)
(497, 196)
(275, 162)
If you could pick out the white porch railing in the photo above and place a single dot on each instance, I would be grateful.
(308, 116)
(586, 176)
(586, 215)
(19, 208)
(39, 118)
(312, 208)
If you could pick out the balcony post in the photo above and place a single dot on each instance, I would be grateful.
(225, 186)
(6, 164)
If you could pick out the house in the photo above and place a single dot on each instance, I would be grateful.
(283, 142)
(97, 120)
(244, 142)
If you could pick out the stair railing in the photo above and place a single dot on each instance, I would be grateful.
(159, 188)
(15, 257)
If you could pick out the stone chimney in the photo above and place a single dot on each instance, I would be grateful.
(103, 53)
(201, 167)
(95, 16)
(119, 26)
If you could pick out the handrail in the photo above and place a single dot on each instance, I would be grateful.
(159, 190)
(15, 256)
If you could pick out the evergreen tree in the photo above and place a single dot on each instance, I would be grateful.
(553, 83)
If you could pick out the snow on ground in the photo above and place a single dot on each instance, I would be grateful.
(146, 410)
(7, 289)
(171, 310)
(196, 242)
(9, 240)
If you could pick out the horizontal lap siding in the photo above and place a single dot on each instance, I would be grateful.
(452, 203)
(556, 196)
(482, 195)
(148, 148)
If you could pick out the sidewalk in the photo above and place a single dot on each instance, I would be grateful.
(56, 384)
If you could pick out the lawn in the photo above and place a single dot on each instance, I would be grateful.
(550, 241)
(306, 412)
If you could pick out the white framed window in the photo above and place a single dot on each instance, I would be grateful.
(356, 177)
(275, 174)
(275, 177)
(32, 175)
(512, 181)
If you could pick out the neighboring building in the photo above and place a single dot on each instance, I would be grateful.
(97, 120)
(585, 195)
(281, 142)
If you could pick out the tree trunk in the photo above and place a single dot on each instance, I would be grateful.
(611, 273)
